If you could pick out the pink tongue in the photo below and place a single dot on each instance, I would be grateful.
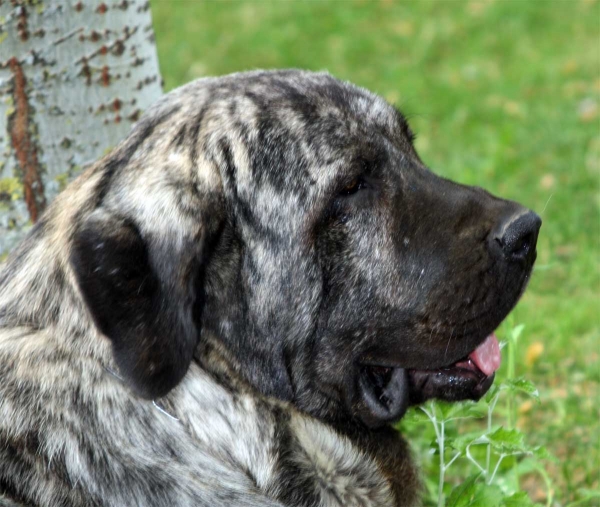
(487, 355)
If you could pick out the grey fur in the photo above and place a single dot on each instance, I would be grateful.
(155, 325)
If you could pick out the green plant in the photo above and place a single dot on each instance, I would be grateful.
(493, 455)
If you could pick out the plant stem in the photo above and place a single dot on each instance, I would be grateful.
(511, 345)
(456, 456)
(488, 453)
(439, 433)
(441, 501)
(472, 459)
(502, 456)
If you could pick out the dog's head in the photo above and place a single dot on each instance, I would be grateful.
(287, 216)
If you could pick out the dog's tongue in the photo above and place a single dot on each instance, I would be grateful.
(487, 356)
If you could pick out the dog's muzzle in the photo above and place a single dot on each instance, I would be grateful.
(386, 392)
(467, 379)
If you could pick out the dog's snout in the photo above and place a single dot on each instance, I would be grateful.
(514, 238)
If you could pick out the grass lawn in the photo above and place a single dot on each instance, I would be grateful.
(502, 94)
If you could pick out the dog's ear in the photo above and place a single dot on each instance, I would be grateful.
(142, 294)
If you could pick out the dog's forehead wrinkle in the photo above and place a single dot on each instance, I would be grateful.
(246, 116)
(286, 212)
(156, 215)
(287, 119)
(241, 163)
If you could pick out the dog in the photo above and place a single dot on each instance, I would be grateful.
(234, 305)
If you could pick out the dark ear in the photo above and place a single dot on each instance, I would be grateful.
(147, 313)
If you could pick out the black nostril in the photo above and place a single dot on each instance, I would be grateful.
(515, 237)
(523, 245)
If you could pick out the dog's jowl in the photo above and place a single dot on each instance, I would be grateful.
(232, 307)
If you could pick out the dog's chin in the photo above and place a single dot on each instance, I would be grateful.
(386, 391)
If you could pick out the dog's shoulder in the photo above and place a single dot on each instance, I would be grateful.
(72, 433)
(264, 452)
(289, 454)
(333, 468)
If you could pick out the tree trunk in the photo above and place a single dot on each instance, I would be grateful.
(74, 76)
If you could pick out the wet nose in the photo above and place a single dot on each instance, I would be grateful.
(515, 236)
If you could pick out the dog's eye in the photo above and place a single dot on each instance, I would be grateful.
(353, 186)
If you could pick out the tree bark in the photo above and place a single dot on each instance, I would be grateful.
(74, 76)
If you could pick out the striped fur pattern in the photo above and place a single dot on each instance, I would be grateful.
(182, 326)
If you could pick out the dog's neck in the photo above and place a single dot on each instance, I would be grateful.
(214, 358)
(385, 446)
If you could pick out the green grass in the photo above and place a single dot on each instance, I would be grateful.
(505, 95)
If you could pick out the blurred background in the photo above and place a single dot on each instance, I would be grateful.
(501, 94)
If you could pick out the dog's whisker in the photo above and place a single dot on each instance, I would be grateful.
(546, 205)
(448, 344)
(160, 409)
(114, 374)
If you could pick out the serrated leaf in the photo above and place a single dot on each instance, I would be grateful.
(415, 415)
(461, 494)
(448, 410)
(487, 496)
(524, 386)
(493, 391)
(473, 409)
(507, 441)
(461, 442)
(541, 452)
(459, 410)
(519, 499)
(473, 494)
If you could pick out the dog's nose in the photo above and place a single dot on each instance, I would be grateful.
(515, 236)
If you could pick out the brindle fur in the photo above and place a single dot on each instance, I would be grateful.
(210, 263)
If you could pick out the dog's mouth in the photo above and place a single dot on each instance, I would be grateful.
(467, 379)
(387, 391)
